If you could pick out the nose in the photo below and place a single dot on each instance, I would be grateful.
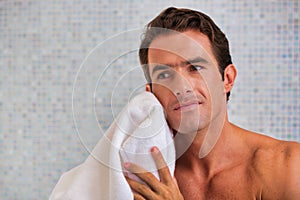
(182, 92)
(181, 86)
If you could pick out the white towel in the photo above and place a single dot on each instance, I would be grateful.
(140, 126)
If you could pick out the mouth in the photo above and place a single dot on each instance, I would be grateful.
(185, 106)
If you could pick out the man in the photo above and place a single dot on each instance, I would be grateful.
(189, 69)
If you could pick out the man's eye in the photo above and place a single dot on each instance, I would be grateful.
(195, 68)
(163, 75)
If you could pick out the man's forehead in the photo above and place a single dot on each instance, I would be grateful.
(179, 57)
(181, 44)
(176, 44)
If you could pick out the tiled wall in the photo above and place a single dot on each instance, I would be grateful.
(48, 49)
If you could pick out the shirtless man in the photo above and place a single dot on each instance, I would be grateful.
(193, 88)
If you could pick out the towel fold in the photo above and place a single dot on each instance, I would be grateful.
(140, 126)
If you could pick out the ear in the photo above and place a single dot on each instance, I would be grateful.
(229, 77)
(148, 88)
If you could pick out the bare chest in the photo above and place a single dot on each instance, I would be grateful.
(233, 184)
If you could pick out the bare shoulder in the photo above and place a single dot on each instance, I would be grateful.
(277, 164)
(291, 168)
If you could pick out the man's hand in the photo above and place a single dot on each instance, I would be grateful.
(164, 189)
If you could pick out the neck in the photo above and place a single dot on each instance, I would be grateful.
(214, 154)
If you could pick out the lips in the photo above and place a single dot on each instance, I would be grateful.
(187, 104)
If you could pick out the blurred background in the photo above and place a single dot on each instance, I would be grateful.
(68, 67)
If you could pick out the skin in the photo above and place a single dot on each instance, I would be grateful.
(240, 164)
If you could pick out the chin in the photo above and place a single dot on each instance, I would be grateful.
(187, 125)
(188, 121)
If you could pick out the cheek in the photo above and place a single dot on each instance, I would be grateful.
(163, 94)
(213, 83)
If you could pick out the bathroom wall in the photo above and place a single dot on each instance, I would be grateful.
(68, 68)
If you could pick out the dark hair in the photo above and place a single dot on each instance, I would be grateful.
(183, 20)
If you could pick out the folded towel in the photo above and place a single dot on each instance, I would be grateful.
(138, 127)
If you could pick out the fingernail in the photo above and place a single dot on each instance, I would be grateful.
(154, 149)
(126, 164)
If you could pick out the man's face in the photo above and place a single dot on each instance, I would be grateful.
(186, 80)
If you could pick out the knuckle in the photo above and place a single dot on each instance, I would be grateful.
(167, 194)
(141, 188)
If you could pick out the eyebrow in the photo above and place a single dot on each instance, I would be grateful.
(159, 67)
(195, 60)
(184, 63)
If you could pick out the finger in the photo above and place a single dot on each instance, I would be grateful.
(138, 197)
(162, 167)
(175, 181)
(144, 175)
(141, 191)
